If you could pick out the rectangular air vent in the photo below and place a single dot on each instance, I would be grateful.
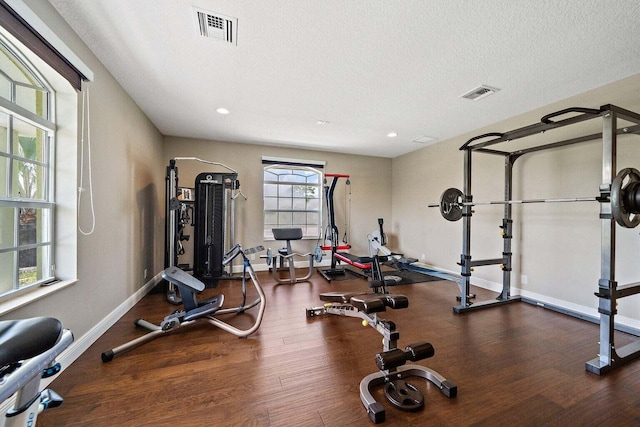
(480, 92)
(216, 26)
(424, 139)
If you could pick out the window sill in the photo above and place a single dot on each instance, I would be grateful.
(29, 297)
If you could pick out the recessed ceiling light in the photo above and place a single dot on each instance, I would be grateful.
(322, 122)
(392, 134)
(222, 110)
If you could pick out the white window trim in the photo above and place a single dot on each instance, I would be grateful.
(284, 161)
(43, 29)
(65, 239)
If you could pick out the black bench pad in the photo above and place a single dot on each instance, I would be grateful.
(373, 303)
(339, 297)
(368, 303)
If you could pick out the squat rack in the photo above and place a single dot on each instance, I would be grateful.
(609, 291)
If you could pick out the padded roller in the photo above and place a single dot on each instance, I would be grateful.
(419, 351)
(396, 301)
(390, 359)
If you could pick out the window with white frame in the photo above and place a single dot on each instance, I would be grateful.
(292, 193)
(26, 174)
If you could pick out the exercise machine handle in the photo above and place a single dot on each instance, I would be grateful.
(547, 119)
(231, 254)
(485, 135)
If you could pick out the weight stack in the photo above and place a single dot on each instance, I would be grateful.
(210, 225)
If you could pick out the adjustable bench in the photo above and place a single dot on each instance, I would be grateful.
(390, 361)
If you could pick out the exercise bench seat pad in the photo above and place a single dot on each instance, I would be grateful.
(178, 277)
(360, 262)
(373, 303)
(339, 297)
(26, 338)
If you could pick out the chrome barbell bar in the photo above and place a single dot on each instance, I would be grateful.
(624, 198)
(519, 202)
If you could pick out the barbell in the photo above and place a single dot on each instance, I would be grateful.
(316, 255)
(625, 200)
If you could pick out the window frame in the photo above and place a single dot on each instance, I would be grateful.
(46, 202)
(316, 170)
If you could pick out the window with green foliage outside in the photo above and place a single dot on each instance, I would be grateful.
(26, 199)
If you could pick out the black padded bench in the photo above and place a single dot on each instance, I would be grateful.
(367, 303)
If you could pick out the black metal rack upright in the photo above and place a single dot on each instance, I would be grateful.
(609, 290)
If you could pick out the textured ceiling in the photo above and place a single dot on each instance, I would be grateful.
(367, 67)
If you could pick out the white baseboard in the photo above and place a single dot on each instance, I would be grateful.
(591, 314)
(80, 345)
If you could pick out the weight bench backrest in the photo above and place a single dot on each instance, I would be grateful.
(186, 283)
(287, 233)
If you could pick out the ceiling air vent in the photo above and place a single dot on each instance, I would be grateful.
(216, 26)
(424, 139)
(480, 92)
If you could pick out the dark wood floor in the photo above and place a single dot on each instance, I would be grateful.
(514, 365)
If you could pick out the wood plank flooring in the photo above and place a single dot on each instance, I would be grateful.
(515, 365)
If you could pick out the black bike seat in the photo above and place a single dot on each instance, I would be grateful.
(25, 338)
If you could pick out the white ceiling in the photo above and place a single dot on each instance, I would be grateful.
(367, 67)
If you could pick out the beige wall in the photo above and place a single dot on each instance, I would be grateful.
(128, 190)
(557, 246)
(370, 186)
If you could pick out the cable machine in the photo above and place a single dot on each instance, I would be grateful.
(211, 212)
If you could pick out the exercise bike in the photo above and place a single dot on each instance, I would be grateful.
(28, 349)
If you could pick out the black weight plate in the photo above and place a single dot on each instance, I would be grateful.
(450, 207)
(404, 395)
(625, 180)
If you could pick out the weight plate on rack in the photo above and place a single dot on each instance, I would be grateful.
(450, 207)
(624, 189)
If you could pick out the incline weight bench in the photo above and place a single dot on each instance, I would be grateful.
(391, 360)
